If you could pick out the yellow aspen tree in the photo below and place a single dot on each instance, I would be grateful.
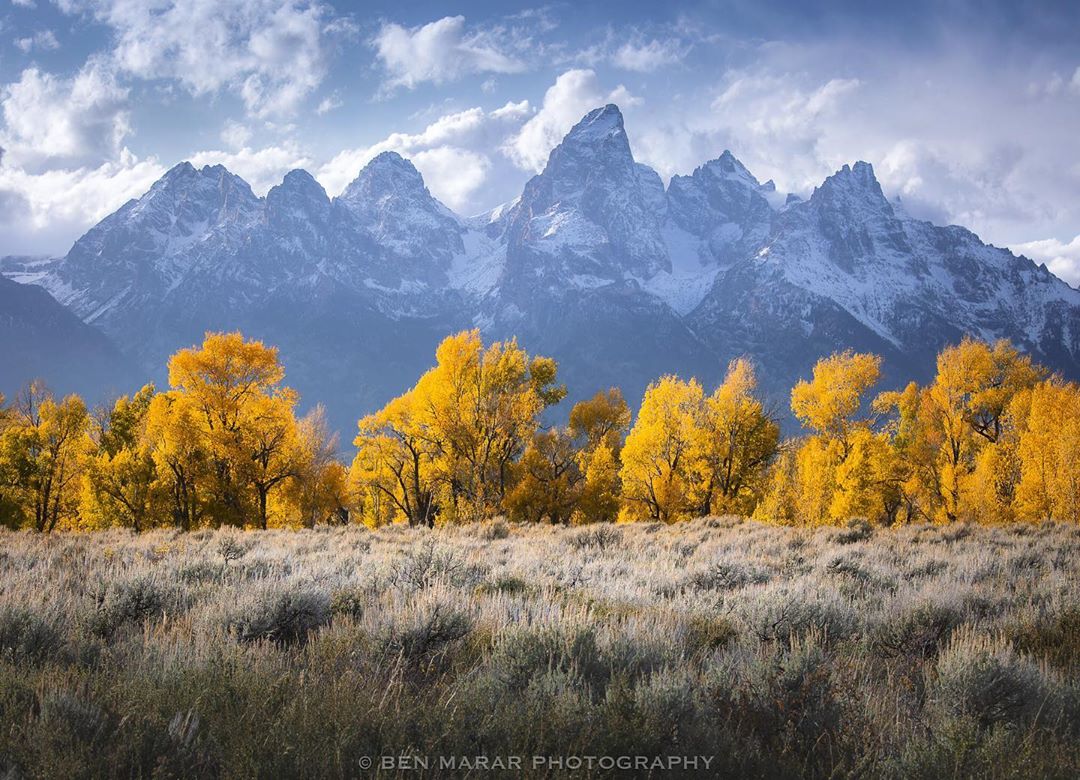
(181, 458)
(120, 473)
(231, 387)
(396, 465)
(599, 424)
(449, 448)
(829, 405)
(1047, 445)
(656, 459)
(484, 405)
(549, 480)
(45, 446)
(973, 388)
(735, 441)
(318, 493)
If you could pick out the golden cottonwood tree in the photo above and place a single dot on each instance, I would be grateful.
(656, 468)
(120, 484)
(319, 492)
(835, 470)
(225, 437)
(397, 468)
(41, 449)
(692, 454)
(599, 425)
(954, 436)
(571, 474)
(1048, 451)
(736, 441)
(449, 447)
(180, 457)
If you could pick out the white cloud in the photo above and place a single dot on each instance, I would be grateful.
(513, 110)
(235, 134)
(45, 211)
(328, 104)
(267, 52)
(574, 94)
(42, 41)
(453, 154)
(261, 168)
(63, 122)
(439, 52)
(648, 57)
(24, 3)
(1063, 259)
(452, 174)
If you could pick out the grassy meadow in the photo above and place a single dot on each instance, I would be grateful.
(922, 651)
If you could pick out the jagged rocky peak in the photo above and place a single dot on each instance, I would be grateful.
(390, 204)
(593, 206)
(388, 175)
(595, 148)
(720, 192)
(652, 189)
(208, 196)
(298, 206)
(728, 166)
(853, 187)
(297, 190)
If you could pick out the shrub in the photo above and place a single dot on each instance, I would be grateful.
(495, 529)
(504, 583)
(916, 633)
(858, 529)
(599, 537)
(282, 615)
(705, 634)
(990, 684)
(133, 601)
(782, 614)
(231, 549)
(427, 632)
(427, 564)
(1054, 636)
(348, 602)
(726, 576)
(26, 636)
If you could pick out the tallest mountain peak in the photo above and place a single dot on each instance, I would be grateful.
(598, 124)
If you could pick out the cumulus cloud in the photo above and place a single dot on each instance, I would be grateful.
(328, 104)
(649, 56)
(1063, 259)
(453, 154)
(235, 134)
(261, 168)
(441, 51)
(451, 173)
(43, 212)
(51, 121)
(268, 53)
(41, 41)
(574, 94)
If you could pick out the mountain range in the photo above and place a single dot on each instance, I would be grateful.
(597, 264)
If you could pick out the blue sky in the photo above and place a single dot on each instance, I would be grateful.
(970, 112)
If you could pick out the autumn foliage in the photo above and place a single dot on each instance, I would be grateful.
(223, 446)
(992, 438)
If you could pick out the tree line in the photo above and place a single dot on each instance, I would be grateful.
(223, 446)
(993, 437)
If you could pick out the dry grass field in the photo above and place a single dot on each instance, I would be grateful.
(775, 652)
